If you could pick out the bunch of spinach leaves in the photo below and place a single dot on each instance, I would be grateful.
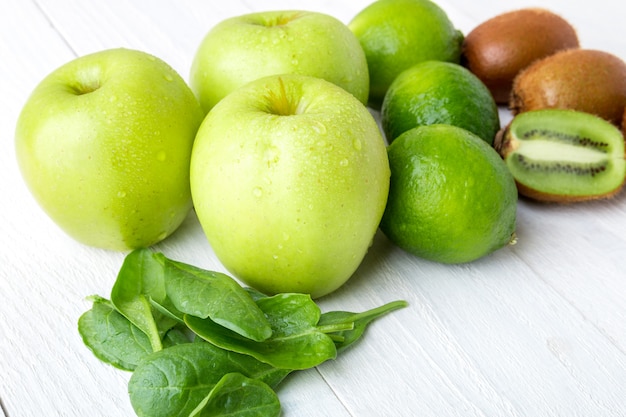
(198, 344)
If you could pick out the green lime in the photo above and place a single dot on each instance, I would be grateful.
(436, 92)
(396, 34)
(452, 198)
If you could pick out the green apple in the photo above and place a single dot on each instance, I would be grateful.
(104, 144)
(243, 48)
(289, 178)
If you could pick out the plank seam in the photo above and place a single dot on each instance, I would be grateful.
(54, 27)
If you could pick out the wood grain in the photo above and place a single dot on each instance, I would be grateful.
(536, 329)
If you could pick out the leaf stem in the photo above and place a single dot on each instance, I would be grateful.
(385, 308)
(336, 327)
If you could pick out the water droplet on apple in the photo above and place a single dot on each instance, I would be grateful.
(162, 236)
(257, 192)
(319, 128)
(275, 256)
(344, 162)
(112, 98)
(285, 236)
(294, 61)
(271, 155)
(357, 144)
(168, 77)
(121, 194)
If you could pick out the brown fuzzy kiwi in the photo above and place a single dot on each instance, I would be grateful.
(499, 48)
(586, 80)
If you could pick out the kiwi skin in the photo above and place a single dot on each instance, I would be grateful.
(586, 80)
(508, 141)
(552, 198)
(499, 48)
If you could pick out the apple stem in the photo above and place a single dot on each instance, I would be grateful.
(281, 105)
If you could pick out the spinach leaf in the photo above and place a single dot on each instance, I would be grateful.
(176, 336)
(200, 293)
(236, 395)
(167, 308)
(296, 341)
(255, 294)
(343, 339)
(111, 337)
(139, 280)
(244, 342)
(174, 381)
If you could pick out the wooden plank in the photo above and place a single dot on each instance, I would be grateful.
(476, 338)
(29, 48)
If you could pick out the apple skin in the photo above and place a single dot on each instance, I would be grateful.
(104, 145)
(243, 48)
(289, 179)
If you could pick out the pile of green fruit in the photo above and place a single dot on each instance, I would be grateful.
(273, 145)
(276, 151)
(287, 170)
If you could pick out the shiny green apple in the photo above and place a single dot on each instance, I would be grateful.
(104, 144)
(289, 178)
(243, 48)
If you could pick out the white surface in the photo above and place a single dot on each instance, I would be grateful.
(538, 329)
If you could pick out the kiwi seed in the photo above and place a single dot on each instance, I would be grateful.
(558, 155)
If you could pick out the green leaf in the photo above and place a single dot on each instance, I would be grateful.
(236, 395)
(175, 380)
(111, 337)
(255, 294)
(168, 309)
(296, 341)
(176, 336)
(345, 338)
(139, 280)
(203, 294)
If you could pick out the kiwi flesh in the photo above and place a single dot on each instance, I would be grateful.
(586, 80)
(564, 156)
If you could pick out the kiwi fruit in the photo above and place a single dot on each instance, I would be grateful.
(586, 80)
(558, 155)
(499, 48)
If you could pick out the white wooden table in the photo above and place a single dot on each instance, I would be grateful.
(538, 329)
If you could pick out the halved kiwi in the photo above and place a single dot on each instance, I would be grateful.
(563, 155)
